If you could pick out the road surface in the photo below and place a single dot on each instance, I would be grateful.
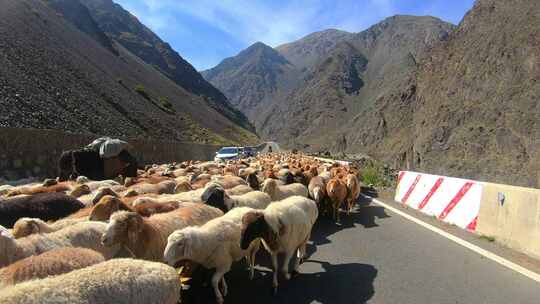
(379, 257)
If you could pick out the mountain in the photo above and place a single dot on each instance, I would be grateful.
(477, 112)
(60, 70)
(126, 29)
(305, 52)
(252, 78)
(330, 81)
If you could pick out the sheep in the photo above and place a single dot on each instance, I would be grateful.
(45, 206)
(353, 187)
(217, 197)
(94, 197)
(29, 190)
(108, 205)
(182, 186)
(284, 227)
(84, 234)
(239, 190)
(278, 192)
(50, 263)
(27, 226)
(146, 238)
(229, 181)
(253, 181)
(117, 281)
(215, 244)
(317, 190)
(337, 193)
(164, 187)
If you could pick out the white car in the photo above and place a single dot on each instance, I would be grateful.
(228, 153)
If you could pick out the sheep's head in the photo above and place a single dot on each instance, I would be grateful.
(80, 190)
(27, 226)
(7, 247)
(82, 180)
(183, 186)
(214, 195)
(254, 226)
(178, 247)
(124, 227)
(101, 192)
(253, 181)
(269, 186)
(318, 195)
(106, 206)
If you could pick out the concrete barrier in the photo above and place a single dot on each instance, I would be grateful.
(511, 215)
(452, 200)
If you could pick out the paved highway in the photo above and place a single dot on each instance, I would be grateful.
(380, 257)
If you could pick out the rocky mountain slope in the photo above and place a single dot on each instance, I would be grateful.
(253, 78)
(61, 71)
(477, 110)
(126, 29)
(331, 78)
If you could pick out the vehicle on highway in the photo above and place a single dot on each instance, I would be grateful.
(228, 153)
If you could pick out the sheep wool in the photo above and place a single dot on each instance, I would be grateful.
(116, 281)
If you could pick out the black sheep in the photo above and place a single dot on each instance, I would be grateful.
(44, 206)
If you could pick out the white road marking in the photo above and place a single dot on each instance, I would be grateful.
(506, 263)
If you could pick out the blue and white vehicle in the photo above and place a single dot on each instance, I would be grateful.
(228, 153)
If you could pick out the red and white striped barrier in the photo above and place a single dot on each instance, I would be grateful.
(452, 200)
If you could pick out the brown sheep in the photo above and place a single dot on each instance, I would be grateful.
(353, 187)
(60, 187)
(146, 238)
(108, 205)
(50, 263)
(337, 193)
(164, 187)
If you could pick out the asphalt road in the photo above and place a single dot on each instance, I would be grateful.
(378, 257)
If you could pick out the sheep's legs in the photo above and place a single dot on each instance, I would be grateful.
(216, 279)
(275, 268)
(251, 260)
(225, 287)
(285, 267)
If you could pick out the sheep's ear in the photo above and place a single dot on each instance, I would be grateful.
(187, 247)
(133, 229)
(5, 233)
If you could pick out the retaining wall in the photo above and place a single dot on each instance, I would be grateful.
(509, 214)
(35, 152)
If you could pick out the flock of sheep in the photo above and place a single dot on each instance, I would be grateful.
(119, 241)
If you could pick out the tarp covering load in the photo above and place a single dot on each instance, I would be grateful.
(108, 147)
(104, 158)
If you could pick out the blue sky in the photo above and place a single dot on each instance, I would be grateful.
(205, 32)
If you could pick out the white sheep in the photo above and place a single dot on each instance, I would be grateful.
(27, 226)
(85, 235)
(216, 244)
(284, 227)
(217, 197)
(116, 281)
(279, 192)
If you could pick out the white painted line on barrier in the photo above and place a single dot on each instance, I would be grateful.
(506, 263)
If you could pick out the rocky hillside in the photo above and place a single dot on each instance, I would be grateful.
(253, 78)
(60, 70)
(332, 79)
(477, 111)
(126, 29)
